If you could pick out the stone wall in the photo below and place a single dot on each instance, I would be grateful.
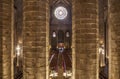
(34, 39)
(114, 24)
(86, 36)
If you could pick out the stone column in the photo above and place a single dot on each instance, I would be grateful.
(5, 38)
(86, 38)
(47, 38)
(34, 39)
(0, 39)
(114, 25)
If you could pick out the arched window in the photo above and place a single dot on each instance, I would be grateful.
(60, 12)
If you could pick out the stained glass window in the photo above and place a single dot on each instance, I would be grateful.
(60, 12)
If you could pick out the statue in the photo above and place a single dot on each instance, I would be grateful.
(101, 55)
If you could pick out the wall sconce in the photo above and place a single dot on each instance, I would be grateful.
(54, 34)
(18, 49)
(53, 74)
(67, 34)
(67, 74)
(18, 53)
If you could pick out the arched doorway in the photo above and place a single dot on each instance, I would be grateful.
(60, 38)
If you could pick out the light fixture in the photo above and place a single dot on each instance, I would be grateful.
(18, 49)
(18, 52)
(54, 34)
(67, 74)
(53, 74)
(67, 34)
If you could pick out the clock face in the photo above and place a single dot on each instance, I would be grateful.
(60, 13)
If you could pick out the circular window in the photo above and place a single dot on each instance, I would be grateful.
(60, 13)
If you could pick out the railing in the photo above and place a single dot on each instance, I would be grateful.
(19, 75)
(102, 75)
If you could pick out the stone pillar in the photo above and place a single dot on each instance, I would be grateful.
(34, 39)
(0, 39)
(47, 38)
(86, 37)
(114, 25)
(5, 38)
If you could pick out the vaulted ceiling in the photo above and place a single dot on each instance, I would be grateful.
(54, 2)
